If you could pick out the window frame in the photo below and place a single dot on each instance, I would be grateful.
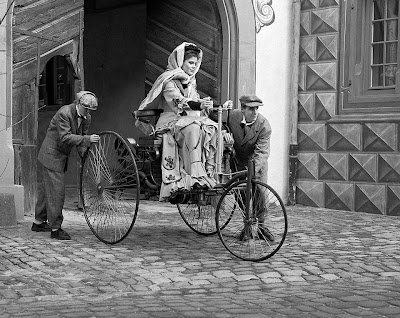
(355, 95)
(56, 77)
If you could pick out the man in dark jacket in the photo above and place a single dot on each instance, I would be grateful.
(251, 133)
(68, 128)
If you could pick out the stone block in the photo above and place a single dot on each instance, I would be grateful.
(17, 191)
(310, 193)
(307, 167)
(311, 137)
(370, 198)
(306, 107)
(325, 21)
(339, 196)
(7, 210)
(332, 166)
(344, 137)
(379, 137)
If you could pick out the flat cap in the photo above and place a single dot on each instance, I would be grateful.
(250, 101)
(87, 99)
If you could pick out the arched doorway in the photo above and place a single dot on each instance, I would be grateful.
(137, 37)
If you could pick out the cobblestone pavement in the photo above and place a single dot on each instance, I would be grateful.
(333, 264)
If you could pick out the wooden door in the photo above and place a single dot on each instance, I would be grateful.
(171, 22)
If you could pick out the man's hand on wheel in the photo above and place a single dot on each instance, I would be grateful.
(94, 138)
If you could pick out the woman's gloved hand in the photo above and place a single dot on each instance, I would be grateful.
(206, 103)
(228, 104)
(228, 138)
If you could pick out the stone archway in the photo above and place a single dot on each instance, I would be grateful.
(239, 55)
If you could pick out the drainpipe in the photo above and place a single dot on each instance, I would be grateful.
(293, 112)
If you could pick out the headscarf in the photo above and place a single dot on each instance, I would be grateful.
(173, 71)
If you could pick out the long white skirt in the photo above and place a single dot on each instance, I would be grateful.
(188, 155)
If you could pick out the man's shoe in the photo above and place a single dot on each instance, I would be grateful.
(245, 234)
(265, 233)
(60, 234)
(43, 227)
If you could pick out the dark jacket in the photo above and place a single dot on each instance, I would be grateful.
(254, 144)
(62, 135)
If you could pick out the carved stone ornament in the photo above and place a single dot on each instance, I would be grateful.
(264, 13)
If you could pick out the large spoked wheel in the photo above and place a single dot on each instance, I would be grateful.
(259, 235)
(110, 188)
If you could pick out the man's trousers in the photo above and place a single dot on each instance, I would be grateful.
(50, 198)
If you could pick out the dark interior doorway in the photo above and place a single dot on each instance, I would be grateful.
(114, 61)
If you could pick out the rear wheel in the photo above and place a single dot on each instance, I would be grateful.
(110, 188)
(198, 211)
(258, 235)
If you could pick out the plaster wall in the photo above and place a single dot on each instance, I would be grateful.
(273, 74)
(6, 177)
(6, 155)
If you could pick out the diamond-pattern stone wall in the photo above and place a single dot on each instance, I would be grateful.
(352, 166)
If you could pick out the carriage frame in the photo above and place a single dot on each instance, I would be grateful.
(117, 173)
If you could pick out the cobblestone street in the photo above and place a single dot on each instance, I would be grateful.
(332, 264)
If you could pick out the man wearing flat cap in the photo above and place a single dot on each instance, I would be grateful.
(251, 132)
(67, 129)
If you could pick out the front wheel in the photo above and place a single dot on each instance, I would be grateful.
(257, 234)
(110, 188)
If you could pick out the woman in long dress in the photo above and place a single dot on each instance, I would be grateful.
(189, 136)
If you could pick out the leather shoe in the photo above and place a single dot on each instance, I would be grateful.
(265, 233)
(60, 234)
(42, 227)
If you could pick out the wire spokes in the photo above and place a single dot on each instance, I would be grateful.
(257, 234)
(110, 188)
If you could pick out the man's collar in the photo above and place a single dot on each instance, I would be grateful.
(77, 111)
(246, 123)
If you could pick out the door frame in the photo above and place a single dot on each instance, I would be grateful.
(239, 48)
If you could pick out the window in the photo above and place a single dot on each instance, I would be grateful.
(56, 83)
(370, 57)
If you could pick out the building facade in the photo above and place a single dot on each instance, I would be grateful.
(348, 106)
(330, 95)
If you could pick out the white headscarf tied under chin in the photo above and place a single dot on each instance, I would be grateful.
(173, 71)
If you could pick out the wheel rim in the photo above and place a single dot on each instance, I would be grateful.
(253, 244)
(110, 188)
